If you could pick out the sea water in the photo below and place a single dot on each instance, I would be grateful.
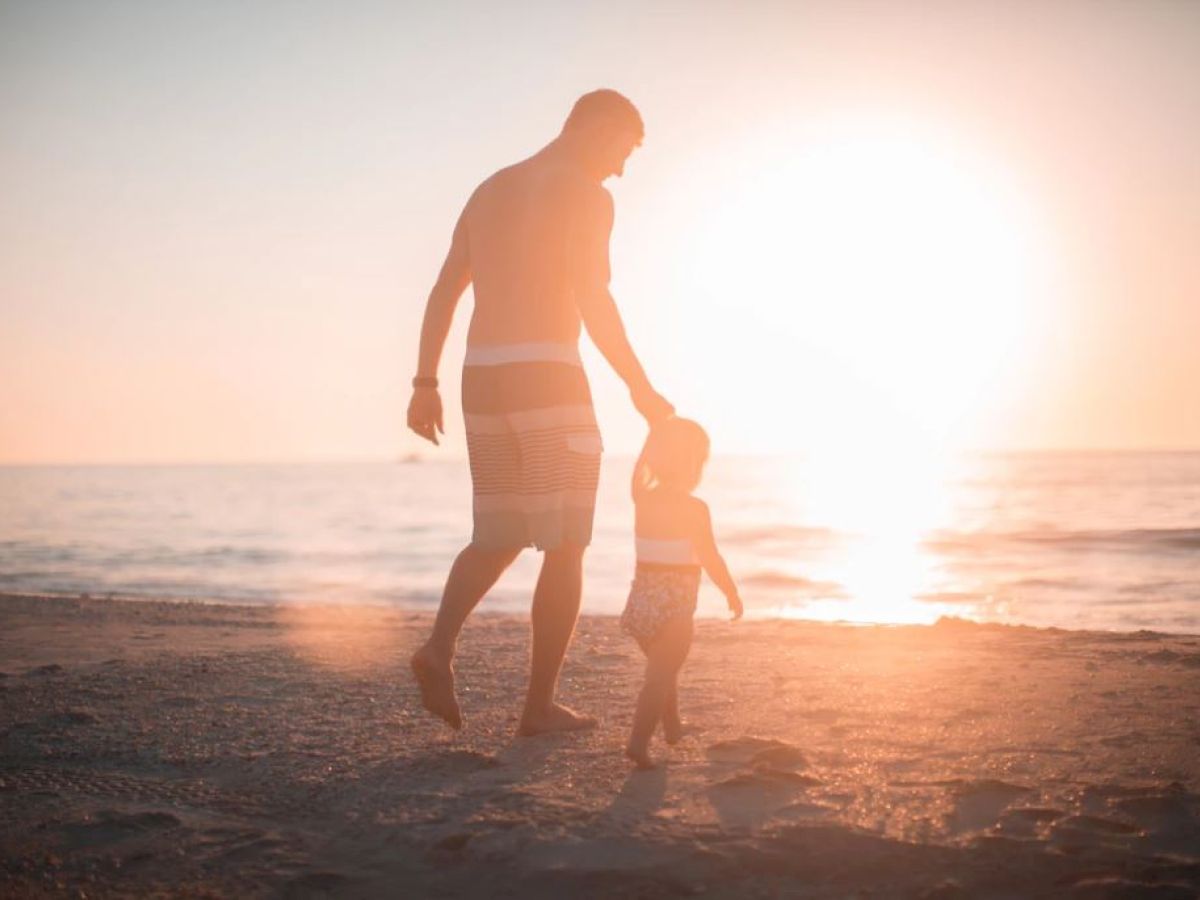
(1076, 540)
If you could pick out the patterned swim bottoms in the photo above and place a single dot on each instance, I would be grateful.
(533, 443)
(658, 596)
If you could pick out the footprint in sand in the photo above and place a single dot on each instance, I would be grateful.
(747, 749)
(784, 756)
(979, 804)
(1028, 821)
(769, 778)
(1160, 808)
(804, 811)
(748, 798)
(460, 762)
(1098, 824)
(1169, 820)
(1083, 831)
(1035, 814)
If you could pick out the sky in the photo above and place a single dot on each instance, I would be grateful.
(951, 223)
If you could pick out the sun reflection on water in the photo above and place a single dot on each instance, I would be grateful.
(885, 511)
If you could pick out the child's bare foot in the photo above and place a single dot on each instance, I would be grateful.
(641, 758)
(675, 730)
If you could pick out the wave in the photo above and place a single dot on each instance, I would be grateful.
(1049, 583)
(769, 579)
(792, 534)
(1151, 587)
(1169, 539)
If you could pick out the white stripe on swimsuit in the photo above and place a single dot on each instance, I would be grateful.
(666, 551)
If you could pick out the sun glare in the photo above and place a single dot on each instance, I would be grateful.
(892, 281)
(884, 505)
(892, 276)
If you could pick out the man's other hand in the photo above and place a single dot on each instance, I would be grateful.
(425, 413)
(653, 406)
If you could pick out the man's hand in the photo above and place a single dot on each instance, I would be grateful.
(425, 413)
(653, 406)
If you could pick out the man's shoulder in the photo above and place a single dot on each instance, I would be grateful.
(534, 173)
(562, 186)
(492, 182)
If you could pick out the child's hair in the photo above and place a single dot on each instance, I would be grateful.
(675, 453)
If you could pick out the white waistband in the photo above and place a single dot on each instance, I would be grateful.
(501, 354)
(672, 551)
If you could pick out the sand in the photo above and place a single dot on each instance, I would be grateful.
(208, 750)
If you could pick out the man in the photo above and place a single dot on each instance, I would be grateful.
(534, 240)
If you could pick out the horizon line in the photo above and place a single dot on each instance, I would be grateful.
(415, 458)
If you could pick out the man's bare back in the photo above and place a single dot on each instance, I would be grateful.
(529, 229)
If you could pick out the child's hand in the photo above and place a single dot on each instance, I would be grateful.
(735, 607)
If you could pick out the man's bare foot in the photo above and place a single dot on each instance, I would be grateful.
(556, 718)
(436, 680)
(676, 730)
(641, 758)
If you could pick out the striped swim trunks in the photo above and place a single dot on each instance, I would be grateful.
(533, 443)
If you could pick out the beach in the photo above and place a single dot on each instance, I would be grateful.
(191, 749)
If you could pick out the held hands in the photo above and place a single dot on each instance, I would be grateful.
(425, 413)
(653, 406)
(735, 607)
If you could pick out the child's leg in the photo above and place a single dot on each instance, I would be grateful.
(671, 723)
(663, 660)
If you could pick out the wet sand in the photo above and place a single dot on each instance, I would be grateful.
(208, 750)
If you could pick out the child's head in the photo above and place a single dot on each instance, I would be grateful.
(675, 454)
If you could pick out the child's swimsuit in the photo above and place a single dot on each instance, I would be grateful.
(665, 585)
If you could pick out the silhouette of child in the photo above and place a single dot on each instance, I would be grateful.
(674, 542)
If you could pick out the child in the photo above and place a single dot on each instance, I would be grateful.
(674, 541)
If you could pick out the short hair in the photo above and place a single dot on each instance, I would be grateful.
(605, 107)
(675, 452)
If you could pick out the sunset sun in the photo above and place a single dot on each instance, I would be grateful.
(895, 275)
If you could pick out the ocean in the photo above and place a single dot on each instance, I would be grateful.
(1074, 540)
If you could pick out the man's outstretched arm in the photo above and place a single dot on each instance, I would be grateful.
(598, 309)
(425, 408)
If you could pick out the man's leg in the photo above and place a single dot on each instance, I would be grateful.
(555, 609)
(472, 575)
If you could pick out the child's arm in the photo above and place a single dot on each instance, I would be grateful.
(711, 559)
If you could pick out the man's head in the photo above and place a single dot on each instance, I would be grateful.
(604, 127)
